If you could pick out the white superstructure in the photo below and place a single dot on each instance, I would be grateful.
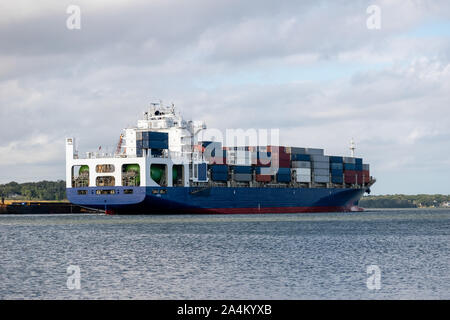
(117, 169)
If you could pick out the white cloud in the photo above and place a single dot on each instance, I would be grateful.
(234, 64)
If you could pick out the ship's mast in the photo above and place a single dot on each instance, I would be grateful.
(352, 148)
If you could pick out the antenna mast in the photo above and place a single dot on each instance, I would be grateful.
(352, 148)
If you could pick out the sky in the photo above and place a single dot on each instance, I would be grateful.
(313, 69)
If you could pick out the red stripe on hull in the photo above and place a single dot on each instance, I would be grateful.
(248, 210)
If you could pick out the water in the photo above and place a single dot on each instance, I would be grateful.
(304, 256)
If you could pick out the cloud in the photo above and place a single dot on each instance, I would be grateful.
(310, 68)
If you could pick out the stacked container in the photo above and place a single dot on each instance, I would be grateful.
(350, 176)
(157, 141)
(321, 168)
(264, 174)
(337, 169)
(366, 173)
(280, 156)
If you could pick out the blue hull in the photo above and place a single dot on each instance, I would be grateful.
(180, 200)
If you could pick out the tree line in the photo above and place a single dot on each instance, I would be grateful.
(405, 201)
(42, 190)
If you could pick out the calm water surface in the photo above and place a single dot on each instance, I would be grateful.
(304, 256)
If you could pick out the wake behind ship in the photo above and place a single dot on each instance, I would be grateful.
(160, 166)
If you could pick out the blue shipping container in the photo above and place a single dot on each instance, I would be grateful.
(335, 179)
(349, 166)
(243, 169)
(337, 172)
(358, 167)
(286, 171)
(336, 166)
(283, 177)
(335, 159)
(358, 161)
(300, 157)
(219, 176)
(156, 144)
(219, 168)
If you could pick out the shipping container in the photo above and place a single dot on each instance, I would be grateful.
(349, 160)
(303, 178)
(283, 177)
(349, 166)
(219, 168)
(263, 178)
(243, 169)
(321, 179)
(314, 151)
(366, 167)
(321, 165)
(337, 172)
(359, 161)
(301, 164)
(335, 159)
(303, 171)
(320, 158)
(219, 176)
(321, 172)
(358, 167)
(297, 150)
(242, 177)
(336, 166)
(337, 180)
(300, 157)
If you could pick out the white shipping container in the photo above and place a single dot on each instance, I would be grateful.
(303, 178)
(322, 179)
(321, 172)
(303, 171)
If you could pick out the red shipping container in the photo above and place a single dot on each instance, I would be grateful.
(263, 178)
(350, 176)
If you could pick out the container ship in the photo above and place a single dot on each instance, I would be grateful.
(162, 167)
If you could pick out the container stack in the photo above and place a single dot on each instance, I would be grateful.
(321, 168)
(280, 156)
(262, 175)
(359, 169)
(154, 140)
(366, 173)
(337, 169)
(302, 164)
(349, 170)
